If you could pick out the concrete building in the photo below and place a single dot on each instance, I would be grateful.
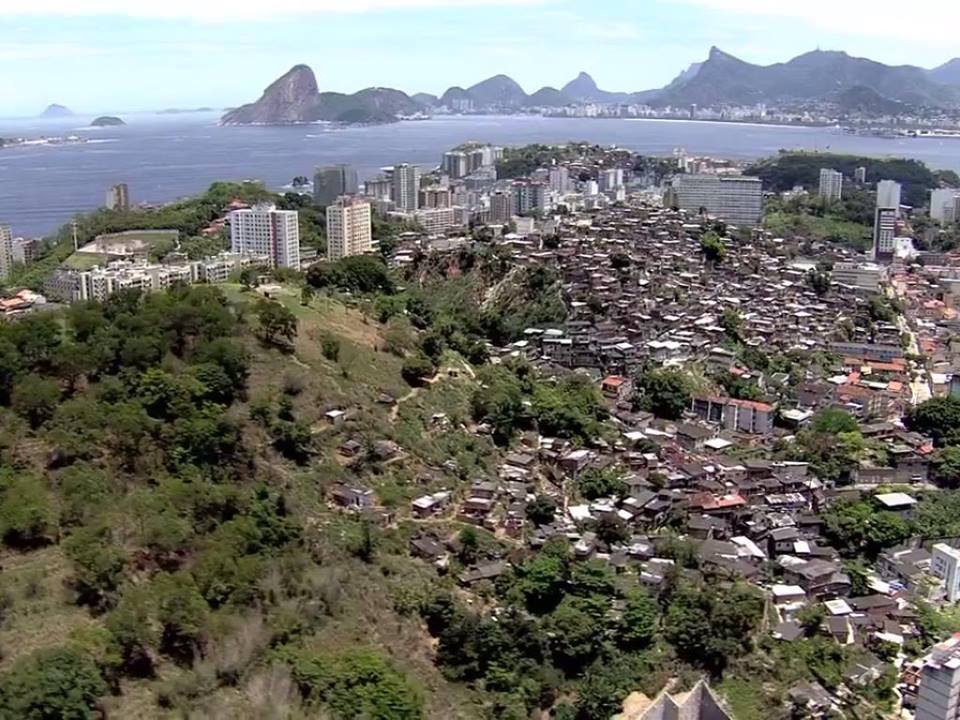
(943, 204)
(888, 195)
(529, 196)
(831, 184)
(611, 179)
(379, 188)
(349, 228)
(333, 181)
(737, 200)
(860, 175)
(945, 564)
(884, 234)
(501, 208)
(264, 230)
(938, 696)
(436, 221)
(435, 197)
(866, 276)
(406, 187)
(455, 164)
(25, 250)
(6, 251)
(117, 197)
(560, 179)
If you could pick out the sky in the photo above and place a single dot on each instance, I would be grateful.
(128, 55)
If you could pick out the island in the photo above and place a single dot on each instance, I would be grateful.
(56, 111)
(107, 121)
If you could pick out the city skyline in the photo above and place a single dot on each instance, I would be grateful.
(178, 54)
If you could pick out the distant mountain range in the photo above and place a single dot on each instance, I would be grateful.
(851, 84)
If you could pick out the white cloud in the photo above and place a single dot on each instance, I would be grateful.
(227, 10)
(927, 21)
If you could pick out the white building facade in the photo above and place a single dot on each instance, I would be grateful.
(264, 230)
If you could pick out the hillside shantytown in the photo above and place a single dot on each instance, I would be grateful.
(541, 432)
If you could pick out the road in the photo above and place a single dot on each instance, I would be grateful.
(920, 384)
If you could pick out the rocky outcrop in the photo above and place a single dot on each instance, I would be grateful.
(107, 121)
(56, 111)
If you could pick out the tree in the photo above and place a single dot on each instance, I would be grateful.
(939, 418)
(811, 618)
(542, 510)
(664, 392)
(638, 624)
(181, 612)
(833, 421)
(277, 323)
(26, 515)
(612, 530)
(53, 684)
(594, 483)
(330, 347)
(732, 323)
(574, 636)
(98, 564)
(417, 368)
(712, 247)
(819, 282)
(35, 398)
(469, 546)
(541, 581)
(947, 466)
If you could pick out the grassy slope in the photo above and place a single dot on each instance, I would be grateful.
(363, 596)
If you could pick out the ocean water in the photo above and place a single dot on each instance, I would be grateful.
(164, 157)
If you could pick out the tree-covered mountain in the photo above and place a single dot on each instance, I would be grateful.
(498, 91)
(813, 76)
(584, 89)
(947, 74)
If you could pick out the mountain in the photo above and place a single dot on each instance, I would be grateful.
(498, 91)
(814, 76)
(425, 99)
(107, 121)
(584, 88)
(548, 97)
(296, 98)
(56, 111)
(453, 95)
(946, 74)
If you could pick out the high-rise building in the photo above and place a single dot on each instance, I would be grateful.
(455, 164)
(435, 197)
(888, 195)
(349, 228)
(560, 179)
(736, 199)
(611, 179)
(884, 234)
(529, 196)
(831, 184)
(942, 203)
(117, 197)
(380, 188)
(435, 221)
(6, 251)
(860, 175)
(501, 208)
(938, 694)
(332, 181)
(945, 564)
(406, 187)
(264, 230)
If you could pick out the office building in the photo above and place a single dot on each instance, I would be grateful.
(560, 179)
(938, 695)
(529, 196)
(406, 187)
(942, 204)
(737, 199)
(118, 197)
(945, 564)
(6, 251)
(864, 276)
(435, 197)
(860, 175)
(332, 181)
(611, 179)
(884, 234)
(349, 228)
(888, 195)
(455, 164)
(264, 230)
(436, 221)
(501, 208)
(831, 184)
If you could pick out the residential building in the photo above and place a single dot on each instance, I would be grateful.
(333, 181)
(25, 250)
(860, 175)
(379, 188)
(942, 204)
(945, 564)
(117, 197)
(501, 208)
(831, 184)
(700, 703)
(865, 276)
(611, 179)
(888, 195)
(455, 164)
(349, 228)
(737, 199)
(884, 234)
(938, 696)
(264, 230)
(435, 197)
(406, 187)
(436, 221)
(745, 416)
(560, 179)
(529, 196)
(6, 251)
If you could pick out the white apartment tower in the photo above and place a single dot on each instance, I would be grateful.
(888, 195)
(560, 179)
(737, 200)
(938, 696)
(349, 228)
(831, 184)
(264, 230)
(945, 564)
(611, 179)
(942, 204)
(406, 187)
(6, 251)
(118, 197)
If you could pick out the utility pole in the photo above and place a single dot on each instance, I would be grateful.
(76, 242)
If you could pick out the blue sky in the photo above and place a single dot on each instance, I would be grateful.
(126, 55)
